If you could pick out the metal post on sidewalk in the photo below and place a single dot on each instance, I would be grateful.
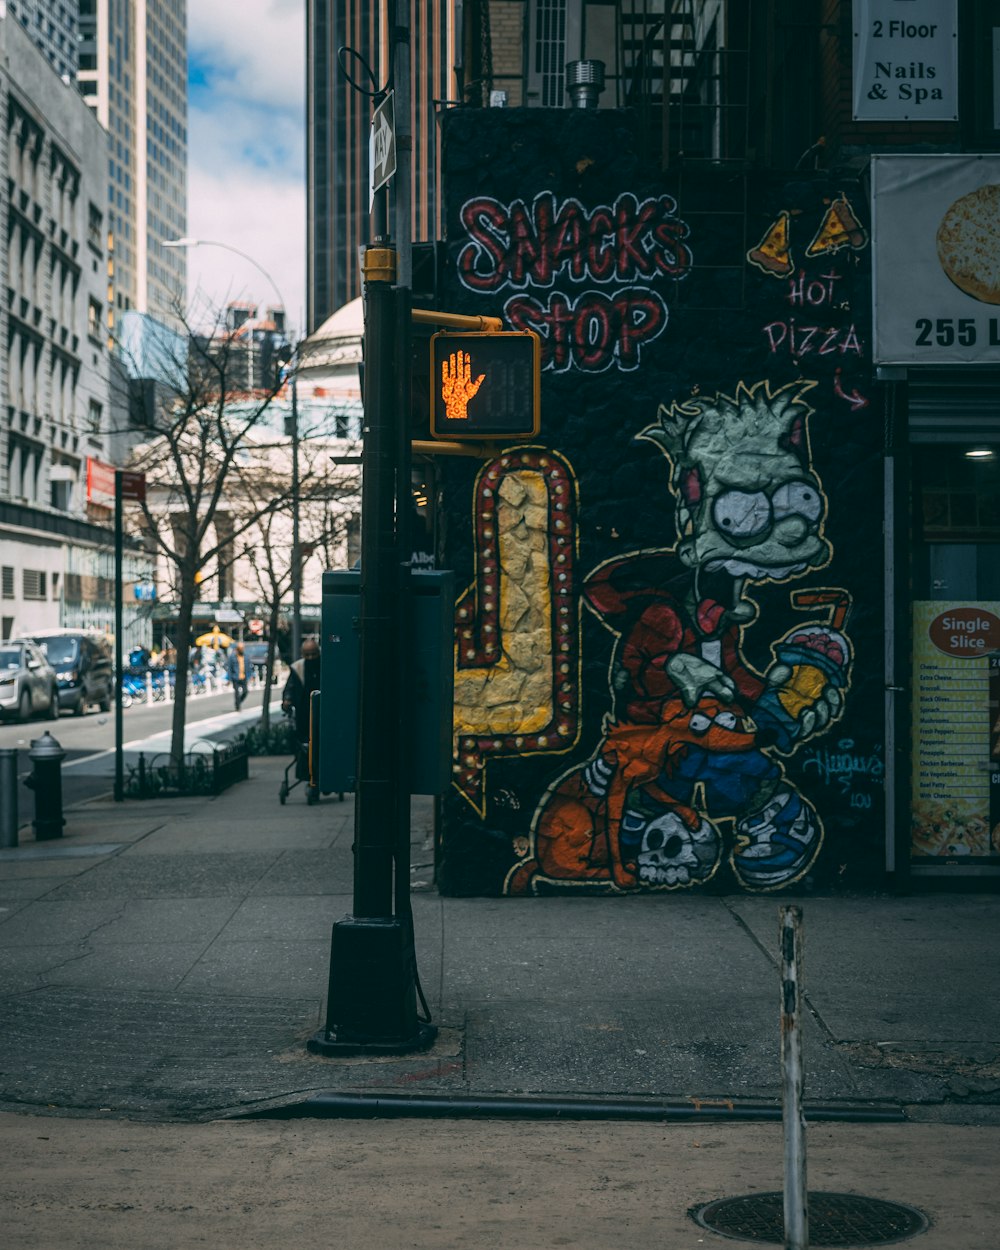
(119, 627)
(371, 1006)
(8, 797)
(796, 1196)
(296, 541)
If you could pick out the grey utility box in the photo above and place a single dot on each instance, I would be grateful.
(428, 701)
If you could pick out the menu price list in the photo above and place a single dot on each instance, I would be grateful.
(956, 773)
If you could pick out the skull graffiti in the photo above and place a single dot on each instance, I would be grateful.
(673, 855)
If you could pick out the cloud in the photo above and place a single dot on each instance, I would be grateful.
(263, 219)
(250, 49)
(246, 152)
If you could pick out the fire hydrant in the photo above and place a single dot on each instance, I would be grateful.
(46, 757)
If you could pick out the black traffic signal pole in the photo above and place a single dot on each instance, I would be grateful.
(402, 209)
(377, 800)
(371, 1006)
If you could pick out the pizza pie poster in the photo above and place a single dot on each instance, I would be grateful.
(936, 279)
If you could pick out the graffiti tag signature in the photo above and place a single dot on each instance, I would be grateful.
(843, 763)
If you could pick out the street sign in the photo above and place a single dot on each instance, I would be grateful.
(383, 143)
(133, 484)
(485, 386)
(100, 481)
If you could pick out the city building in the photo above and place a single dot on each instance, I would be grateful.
(54, 421)
(53, 28)
(255, 347)
(338, 119)
(732, 620)
(328, 375)
(133, 73)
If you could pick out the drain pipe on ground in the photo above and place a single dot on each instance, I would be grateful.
(351, 1105)
(792, 1079)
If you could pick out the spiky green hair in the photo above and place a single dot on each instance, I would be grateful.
(755, 414)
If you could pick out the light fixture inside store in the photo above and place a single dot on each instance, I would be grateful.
(979, 453)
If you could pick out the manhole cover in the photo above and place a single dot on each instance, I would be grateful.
(834, 1219)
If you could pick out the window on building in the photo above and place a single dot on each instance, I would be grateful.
(95, 227)
(8, 581)
(33, 584)
(94, 318)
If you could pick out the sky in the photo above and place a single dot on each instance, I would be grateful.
(246, 152)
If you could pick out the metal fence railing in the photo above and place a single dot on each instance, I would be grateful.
(205, 771)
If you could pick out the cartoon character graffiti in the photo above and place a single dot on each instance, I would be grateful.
(694, 731)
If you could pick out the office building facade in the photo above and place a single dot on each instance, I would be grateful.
(55, 479)
(133, 73)
(51, 25)
(338, 119)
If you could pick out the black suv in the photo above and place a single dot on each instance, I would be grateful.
(83, 666)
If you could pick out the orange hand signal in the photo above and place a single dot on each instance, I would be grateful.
(457, 386)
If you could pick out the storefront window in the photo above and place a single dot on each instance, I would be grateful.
(956, 656)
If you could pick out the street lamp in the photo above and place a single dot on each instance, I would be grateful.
(292, 429)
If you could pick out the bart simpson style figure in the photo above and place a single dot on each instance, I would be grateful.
(690, 743)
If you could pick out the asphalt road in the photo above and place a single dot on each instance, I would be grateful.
(92, 737)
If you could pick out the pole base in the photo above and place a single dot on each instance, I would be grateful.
(322, 1043)
(372, 1002)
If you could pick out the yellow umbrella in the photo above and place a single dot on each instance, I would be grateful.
(214, 639)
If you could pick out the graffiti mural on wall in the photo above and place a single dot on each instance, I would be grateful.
(517, 660)
(517, 246)
(815, 325)
(688, 767)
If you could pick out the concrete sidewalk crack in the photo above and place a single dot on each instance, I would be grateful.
(239, 903)
(98, 863)
(103, 924)
(43, 976)
(84, 949)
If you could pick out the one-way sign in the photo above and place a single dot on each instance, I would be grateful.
(383, 152)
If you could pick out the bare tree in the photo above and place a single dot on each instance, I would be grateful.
(204, 451)
(326, 503)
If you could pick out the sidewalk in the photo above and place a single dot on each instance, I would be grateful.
(168, 960)
(162, 966)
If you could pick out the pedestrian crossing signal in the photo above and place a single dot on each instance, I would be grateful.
(485, 386)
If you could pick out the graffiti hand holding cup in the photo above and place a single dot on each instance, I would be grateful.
(695, 678)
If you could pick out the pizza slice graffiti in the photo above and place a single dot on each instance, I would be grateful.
(838, 229)
(772, 254)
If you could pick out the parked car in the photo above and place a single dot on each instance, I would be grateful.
(28, 683)
(83, 665)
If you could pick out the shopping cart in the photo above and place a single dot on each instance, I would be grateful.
(305, 762)
(300, 763)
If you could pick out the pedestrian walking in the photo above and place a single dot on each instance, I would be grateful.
(236, 663)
